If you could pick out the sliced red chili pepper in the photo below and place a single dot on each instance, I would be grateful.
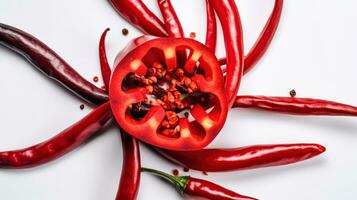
(151, 71)
(264, 40)
(296, 106)
(211, 32)
(233, 38)
(198, 187)
(130, 175)
(104, 65)
(252, 157)
(59, 145)
(51, 64)
(136, 12)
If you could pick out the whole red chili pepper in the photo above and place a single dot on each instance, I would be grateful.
(136, 12)
(295, 105)
(172, 23)
(211, 29)
(233, 38)
(264, 40)
(62, 143)
(251, 157)
(195, 187)
(51, 64)
(130, 175)
(104, 65)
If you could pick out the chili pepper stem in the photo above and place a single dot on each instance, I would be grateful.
(179, 181)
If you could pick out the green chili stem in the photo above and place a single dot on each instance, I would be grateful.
(179, 181)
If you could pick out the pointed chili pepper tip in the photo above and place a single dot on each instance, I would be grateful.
(320, 148)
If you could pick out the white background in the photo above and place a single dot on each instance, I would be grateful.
(314, 52)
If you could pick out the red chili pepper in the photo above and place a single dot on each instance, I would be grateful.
(130, 175)
(136, 12)
(296, 106)
(142, 72)
(48, 62)
(211, 32)
(104, 65)
(198, 187)
(78, 133)
(62, 143)
(252, 157)
(264, 40)
(172, 23)
(233, 39)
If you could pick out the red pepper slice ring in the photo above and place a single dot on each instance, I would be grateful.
(150, 75)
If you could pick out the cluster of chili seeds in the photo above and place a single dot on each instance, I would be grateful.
(169, 89)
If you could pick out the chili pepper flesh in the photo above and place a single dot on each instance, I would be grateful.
(150, 77)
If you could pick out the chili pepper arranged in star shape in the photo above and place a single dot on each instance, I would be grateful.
(259, 156)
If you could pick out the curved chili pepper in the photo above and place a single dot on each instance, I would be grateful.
(198, 187)
(130, 175)
(51, 64)
(264, 40)
(59, 145)
(104, 65)
(251, 157)
(153, 63)
(233, 38)
(172, 23)
(296, 106)
(136, 12)
(211, 29)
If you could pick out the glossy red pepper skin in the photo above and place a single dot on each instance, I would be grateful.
(251, 157)
(295, 105)
(233, 40)
(264, 40)
(104, 65)
(171, 21)
(51, 64)
(130, 175)
(211, 27)
(59, 145)
(198, 188)
(136, 12)
(209, 190)
(173, 25)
